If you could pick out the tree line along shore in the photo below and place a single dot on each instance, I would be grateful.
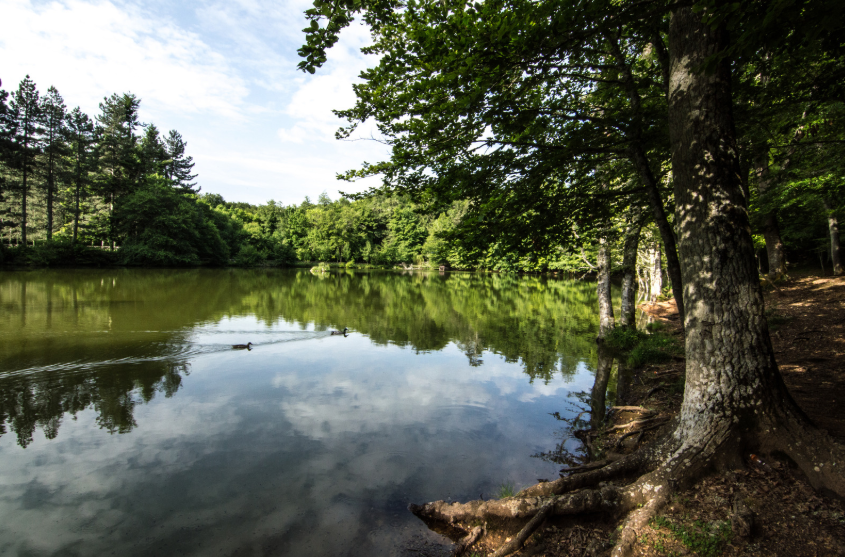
(111, 190)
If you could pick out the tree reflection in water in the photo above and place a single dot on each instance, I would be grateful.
(110, 340)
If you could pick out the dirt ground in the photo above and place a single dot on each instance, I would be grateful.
(787, 517)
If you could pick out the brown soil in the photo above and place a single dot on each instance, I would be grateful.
(807, 321)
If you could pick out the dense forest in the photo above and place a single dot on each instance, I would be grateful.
(69, 183)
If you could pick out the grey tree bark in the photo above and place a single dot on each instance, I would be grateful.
(598, 394)
(833, 227)
(606, 321)
(628, 310)
(655, 273)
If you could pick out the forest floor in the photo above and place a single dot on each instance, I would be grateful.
(807, 321)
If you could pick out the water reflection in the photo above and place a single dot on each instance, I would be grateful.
(309, 444)
(110, 340)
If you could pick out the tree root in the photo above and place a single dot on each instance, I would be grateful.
(640, 423)
(625, 465)
(518, 540)
(639, 433)
(589, 466)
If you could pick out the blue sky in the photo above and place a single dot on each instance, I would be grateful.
(222, 73)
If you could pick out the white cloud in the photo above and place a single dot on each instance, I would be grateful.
(222, 73)
(90, 50)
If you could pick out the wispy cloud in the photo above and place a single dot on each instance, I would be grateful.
(89, 50)
(221, 72)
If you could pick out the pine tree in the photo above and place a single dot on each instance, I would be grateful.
(7, 154)
(81, 142)
(25, 114)
(54, 113)
(118, 154)
(153, 153)
(178, 167)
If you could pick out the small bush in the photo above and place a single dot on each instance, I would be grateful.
(623, 339)
(60, 252)
(248, 256)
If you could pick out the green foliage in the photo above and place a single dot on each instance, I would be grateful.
(248, 256)
(59, 252)
(623, 339)
(705, 539)
(165, 228)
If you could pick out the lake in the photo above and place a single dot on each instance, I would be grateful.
(130, 426)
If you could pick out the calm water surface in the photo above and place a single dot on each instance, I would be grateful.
(131, 427)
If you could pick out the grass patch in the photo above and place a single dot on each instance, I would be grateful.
(776, 320)
(705, 539)
(654, 349)
(507, 489)
(643, 348)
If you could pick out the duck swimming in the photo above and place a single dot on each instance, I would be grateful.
(343, 332)
(242, 346)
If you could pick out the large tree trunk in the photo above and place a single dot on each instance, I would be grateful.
(833, 227)
(771, 231)
(628, 310)
(734, 396)
(735, 400)
(603, 289)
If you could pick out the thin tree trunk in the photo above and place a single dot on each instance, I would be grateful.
(628, 310)
(637, 155)
(667, 235)
(76, 209)
(50, 206)
(775, 250)
(23, 202)
(603, 289)
(833, 226)
(655, 272)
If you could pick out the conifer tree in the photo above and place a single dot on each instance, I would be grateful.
(153, 153)
(178, 167)
(118, 156)
(53, 112)
(7, 152)
(81, 142)
(25, 116)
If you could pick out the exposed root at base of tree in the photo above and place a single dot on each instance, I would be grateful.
(661, 469)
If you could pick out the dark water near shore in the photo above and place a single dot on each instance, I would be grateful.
(131, 427)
